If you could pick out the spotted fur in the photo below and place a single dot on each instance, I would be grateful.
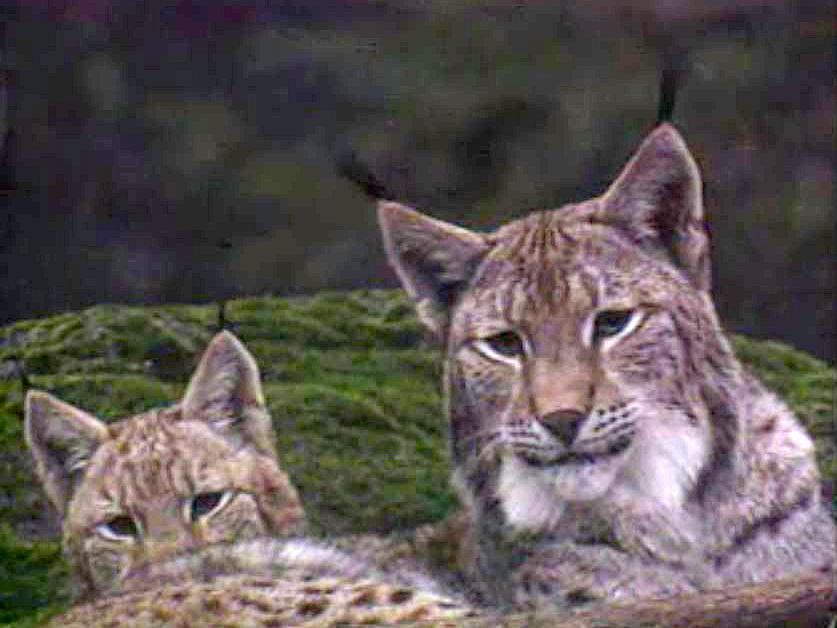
(270, 583)
(605, 439)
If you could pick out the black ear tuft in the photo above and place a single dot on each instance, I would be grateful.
(358, 172)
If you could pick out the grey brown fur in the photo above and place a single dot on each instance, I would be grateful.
(124, 490)
(181, 516)
(607, 443)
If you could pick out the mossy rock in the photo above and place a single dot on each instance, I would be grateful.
(353, 389)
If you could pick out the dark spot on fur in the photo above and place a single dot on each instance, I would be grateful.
(178, 596)
(400, 596)
(419, 614)
(769, 426)
(312, 608)
(262, 605)
(769, 525)
(315, 590)
(579, 597)
(366, 598)
(213, 604)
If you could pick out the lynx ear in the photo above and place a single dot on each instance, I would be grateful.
(226, 393)
(433, 259)
(658, 199)
(62, 440)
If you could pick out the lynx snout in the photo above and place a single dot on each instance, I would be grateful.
(563, 424)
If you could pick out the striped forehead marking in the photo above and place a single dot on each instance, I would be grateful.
(150, 459)
(535, 268)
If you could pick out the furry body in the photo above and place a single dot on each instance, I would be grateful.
(606, 442)
(268, 582)
(182, 516)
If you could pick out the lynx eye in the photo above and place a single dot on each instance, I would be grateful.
(205, 504)
(610, 323)
(505, 346)
(119, 528)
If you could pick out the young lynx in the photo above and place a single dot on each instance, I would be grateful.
(606, 441)
(175, 514)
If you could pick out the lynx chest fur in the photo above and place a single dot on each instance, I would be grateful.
(606, 441)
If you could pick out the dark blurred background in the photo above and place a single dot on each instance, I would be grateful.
(178, 150)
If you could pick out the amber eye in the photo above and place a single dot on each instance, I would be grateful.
(506, 344)
(121, 527)
(611, 322)
(204, 504)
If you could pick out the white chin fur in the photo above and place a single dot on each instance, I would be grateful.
(527, 496)
(533, 499)
(665, 465)
(660, 467)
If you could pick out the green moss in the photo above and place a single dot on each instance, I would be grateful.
(29, 572)
(352, 387)
(363, 319)
(807, 384)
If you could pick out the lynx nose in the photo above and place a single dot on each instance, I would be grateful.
(563, 424)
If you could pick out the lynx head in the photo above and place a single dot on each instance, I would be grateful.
(169, 480)
(578, 340)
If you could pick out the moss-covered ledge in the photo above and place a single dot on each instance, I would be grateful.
(352, 386)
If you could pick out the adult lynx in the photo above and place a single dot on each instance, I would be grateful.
(173, 517)
(606, 441)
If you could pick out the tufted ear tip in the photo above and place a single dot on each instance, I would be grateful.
(393, 217)
(36, 398)
(667, 133)
(225, 341)
(658, 198)
(388, 208)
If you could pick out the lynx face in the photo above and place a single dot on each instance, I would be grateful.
(570, 371)
(567, 368)
(167, 481)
